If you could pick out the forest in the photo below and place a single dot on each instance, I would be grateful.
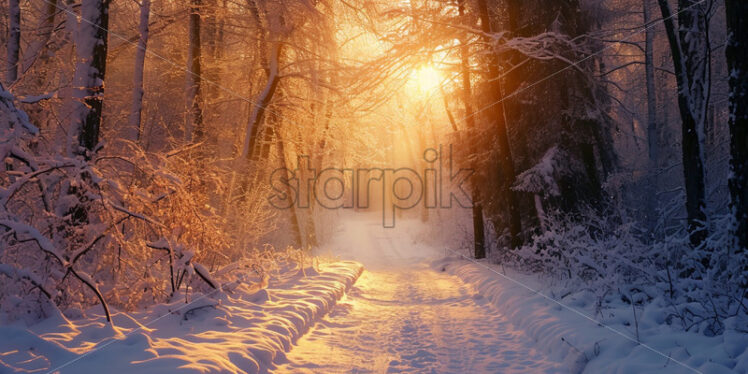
(161, 153)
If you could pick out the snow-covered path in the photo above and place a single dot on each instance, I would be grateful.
(403, 316)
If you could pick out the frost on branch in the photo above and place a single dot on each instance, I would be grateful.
(83, 233)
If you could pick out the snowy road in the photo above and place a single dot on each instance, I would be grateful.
(402, 316)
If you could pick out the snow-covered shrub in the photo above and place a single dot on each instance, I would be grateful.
(607, 254)
(711, 284)
(121, 227)
(596, 251)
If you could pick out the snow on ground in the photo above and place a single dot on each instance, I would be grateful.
(413, 310)
(402, 316)
(573, 335)
(243, 329)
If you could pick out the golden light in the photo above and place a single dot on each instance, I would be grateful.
(426, 79)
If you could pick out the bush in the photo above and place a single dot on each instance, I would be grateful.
(123, 227)
(606, 253)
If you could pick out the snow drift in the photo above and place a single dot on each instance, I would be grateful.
(568, 330)
(245, 329)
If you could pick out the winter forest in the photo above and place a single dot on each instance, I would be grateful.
(336, 186)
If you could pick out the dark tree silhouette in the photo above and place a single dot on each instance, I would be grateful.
(687, 48)
(737, 60)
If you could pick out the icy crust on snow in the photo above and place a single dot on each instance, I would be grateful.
(245, 329)
(587, 347)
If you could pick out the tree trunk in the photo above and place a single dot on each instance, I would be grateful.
(221, 29)
(652, 137)
(211, 29)
(259, 106)
(295, 227)
(137, 94)
(737, 61)
(310, 228)
(14, 40)
(90, 71)
(36, 49)
(262, 49)
(211, 69)
(195, 130)
(479, 236)
(650, 78)
(497, 115)
(684, 49)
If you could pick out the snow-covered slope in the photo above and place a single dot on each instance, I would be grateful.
(567, 328)
(245, 328)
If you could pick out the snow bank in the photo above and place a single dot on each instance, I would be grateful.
(246, 328)
(573, 334)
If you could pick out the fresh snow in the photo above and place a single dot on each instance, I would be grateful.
(243, 329)
(402, 316)
(417, 308)
(572, 329)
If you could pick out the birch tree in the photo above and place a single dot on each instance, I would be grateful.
(90, 71)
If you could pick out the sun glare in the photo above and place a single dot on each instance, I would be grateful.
(426, 79)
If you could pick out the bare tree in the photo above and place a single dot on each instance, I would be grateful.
(497, 116)
(90, 71)
(195, 129)
(652, 131)
(298, 240)
(14, 40)
(137, 93)
(270, 63)
(688, 46)
(649, 69)
(737, 60)
(45, 30)
(479, 235)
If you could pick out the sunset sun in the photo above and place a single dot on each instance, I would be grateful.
(426, 78)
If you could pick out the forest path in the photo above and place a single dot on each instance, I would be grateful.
(402, 316)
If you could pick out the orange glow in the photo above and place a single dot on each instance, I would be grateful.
(426, 79)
